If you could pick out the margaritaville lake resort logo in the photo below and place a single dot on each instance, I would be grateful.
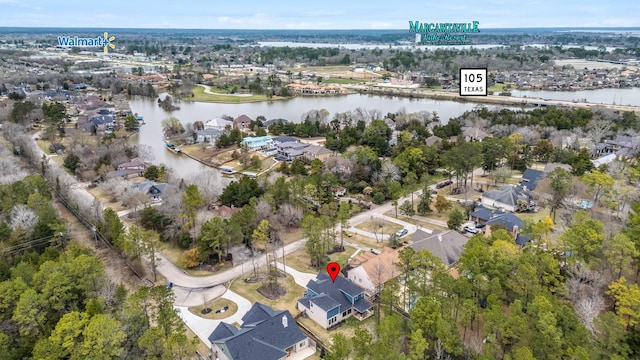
(104, 41)
(443, 33)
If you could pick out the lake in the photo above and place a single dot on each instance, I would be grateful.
(292, 110)
(630, 96)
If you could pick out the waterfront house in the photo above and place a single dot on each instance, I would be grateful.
(328, 303)
(265, 334)
(242, 123)
(446, 245)
(371, 271)
(208, 135)
(313, 152)
(135, 164)
(152, 188)
(218, 124)
(257, 142)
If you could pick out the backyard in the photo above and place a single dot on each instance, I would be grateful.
(300, 260)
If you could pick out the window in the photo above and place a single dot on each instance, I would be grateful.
(344, 314)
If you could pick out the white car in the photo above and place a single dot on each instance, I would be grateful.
(470, 230)
(402, 233)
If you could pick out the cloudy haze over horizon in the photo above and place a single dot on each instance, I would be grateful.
(328, 14)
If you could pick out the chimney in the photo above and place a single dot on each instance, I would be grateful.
(514, 232)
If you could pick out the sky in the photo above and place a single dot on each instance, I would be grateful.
(324, 14)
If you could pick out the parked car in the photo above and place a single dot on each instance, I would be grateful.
(402, 233)
(442, 184)
(470, 230)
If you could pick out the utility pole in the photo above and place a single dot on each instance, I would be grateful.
(95, 233)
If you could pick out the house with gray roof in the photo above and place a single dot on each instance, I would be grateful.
(208, 135)
(446, 245)
(265, 334)
(217, 123)
(152, 188)
(509, 198)
(431, 140)
(328, 303)
(530, 178)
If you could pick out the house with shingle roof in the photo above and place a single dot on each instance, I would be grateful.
(446, 245)
(371, 271)
(242, 122)
(509, 198)
(530, 178)
(265, 334)
(329, 303)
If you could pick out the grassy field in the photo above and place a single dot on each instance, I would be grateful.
(365, 241)
(287, 302)
(381, 226)
(420, 224)
(342, 81)
(496, 88)
(291, 236)
(300, 260)
(105, 198)
(214, 305)
(200, 96)
(347, 328)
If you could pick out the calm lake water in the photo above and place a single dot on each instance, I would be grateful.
(292, 110)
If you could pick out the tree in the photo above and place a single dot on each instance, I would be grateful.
(501, 174)
(72, 162)
(584, 237)
(172, 126)
(344, 213)
(627, 302)
(395, 190)
(442, 204)
(102, 338)
(598, 183)
(456, 219)
(407, 209)
(424, 206)
(130, 123)
(192, 200)
(213, 237)
(111, 228)
(619, 253)
(557, 183)
(341, 347)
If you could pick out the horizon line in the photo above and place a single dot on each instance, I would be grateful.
(312, 29)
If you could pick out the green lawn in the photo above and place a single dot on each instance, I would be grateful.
(200, 96)
(382, 226)
(300, 260)
(214, 305)
(343, 81)
(287, 302)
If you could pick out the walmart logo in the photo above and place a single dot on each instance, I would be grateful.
(105, 42)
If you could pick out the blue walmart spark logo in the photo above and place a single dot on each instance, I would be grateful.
(105, 42)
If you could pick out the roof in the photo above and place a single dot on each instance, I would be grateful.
(292, 144)
(265, 334)
(530, 178)
(101, 119)
(552, 166)
(370, 263)
(242, 119)
(147, 185)
(484, 214)
(507, 221)
(447, 245)
(269, 122)
(317, 150)
(217, 123)
(285, 139)
(509, 194)
(328, 294)
(432, 140)
(604, 160)
(474, 132)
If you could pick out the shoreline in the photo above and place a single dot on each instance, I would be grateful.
(488, 99)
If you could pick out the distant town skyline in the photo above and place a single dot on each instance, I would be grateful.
(328, 14)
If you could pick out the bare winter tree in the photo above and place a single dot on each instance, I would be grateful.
(263, 209)
(10, 171)
(135, 198)
(209, 186)
(22, 216)
(585, 292)
(388, 172)
(146, 152)
(289, 215)
(599, 129)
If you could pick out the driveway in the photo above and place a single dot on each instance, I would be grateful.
(204, 327)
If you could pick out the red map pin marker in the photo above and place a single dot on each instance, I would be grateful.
(333, 269)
